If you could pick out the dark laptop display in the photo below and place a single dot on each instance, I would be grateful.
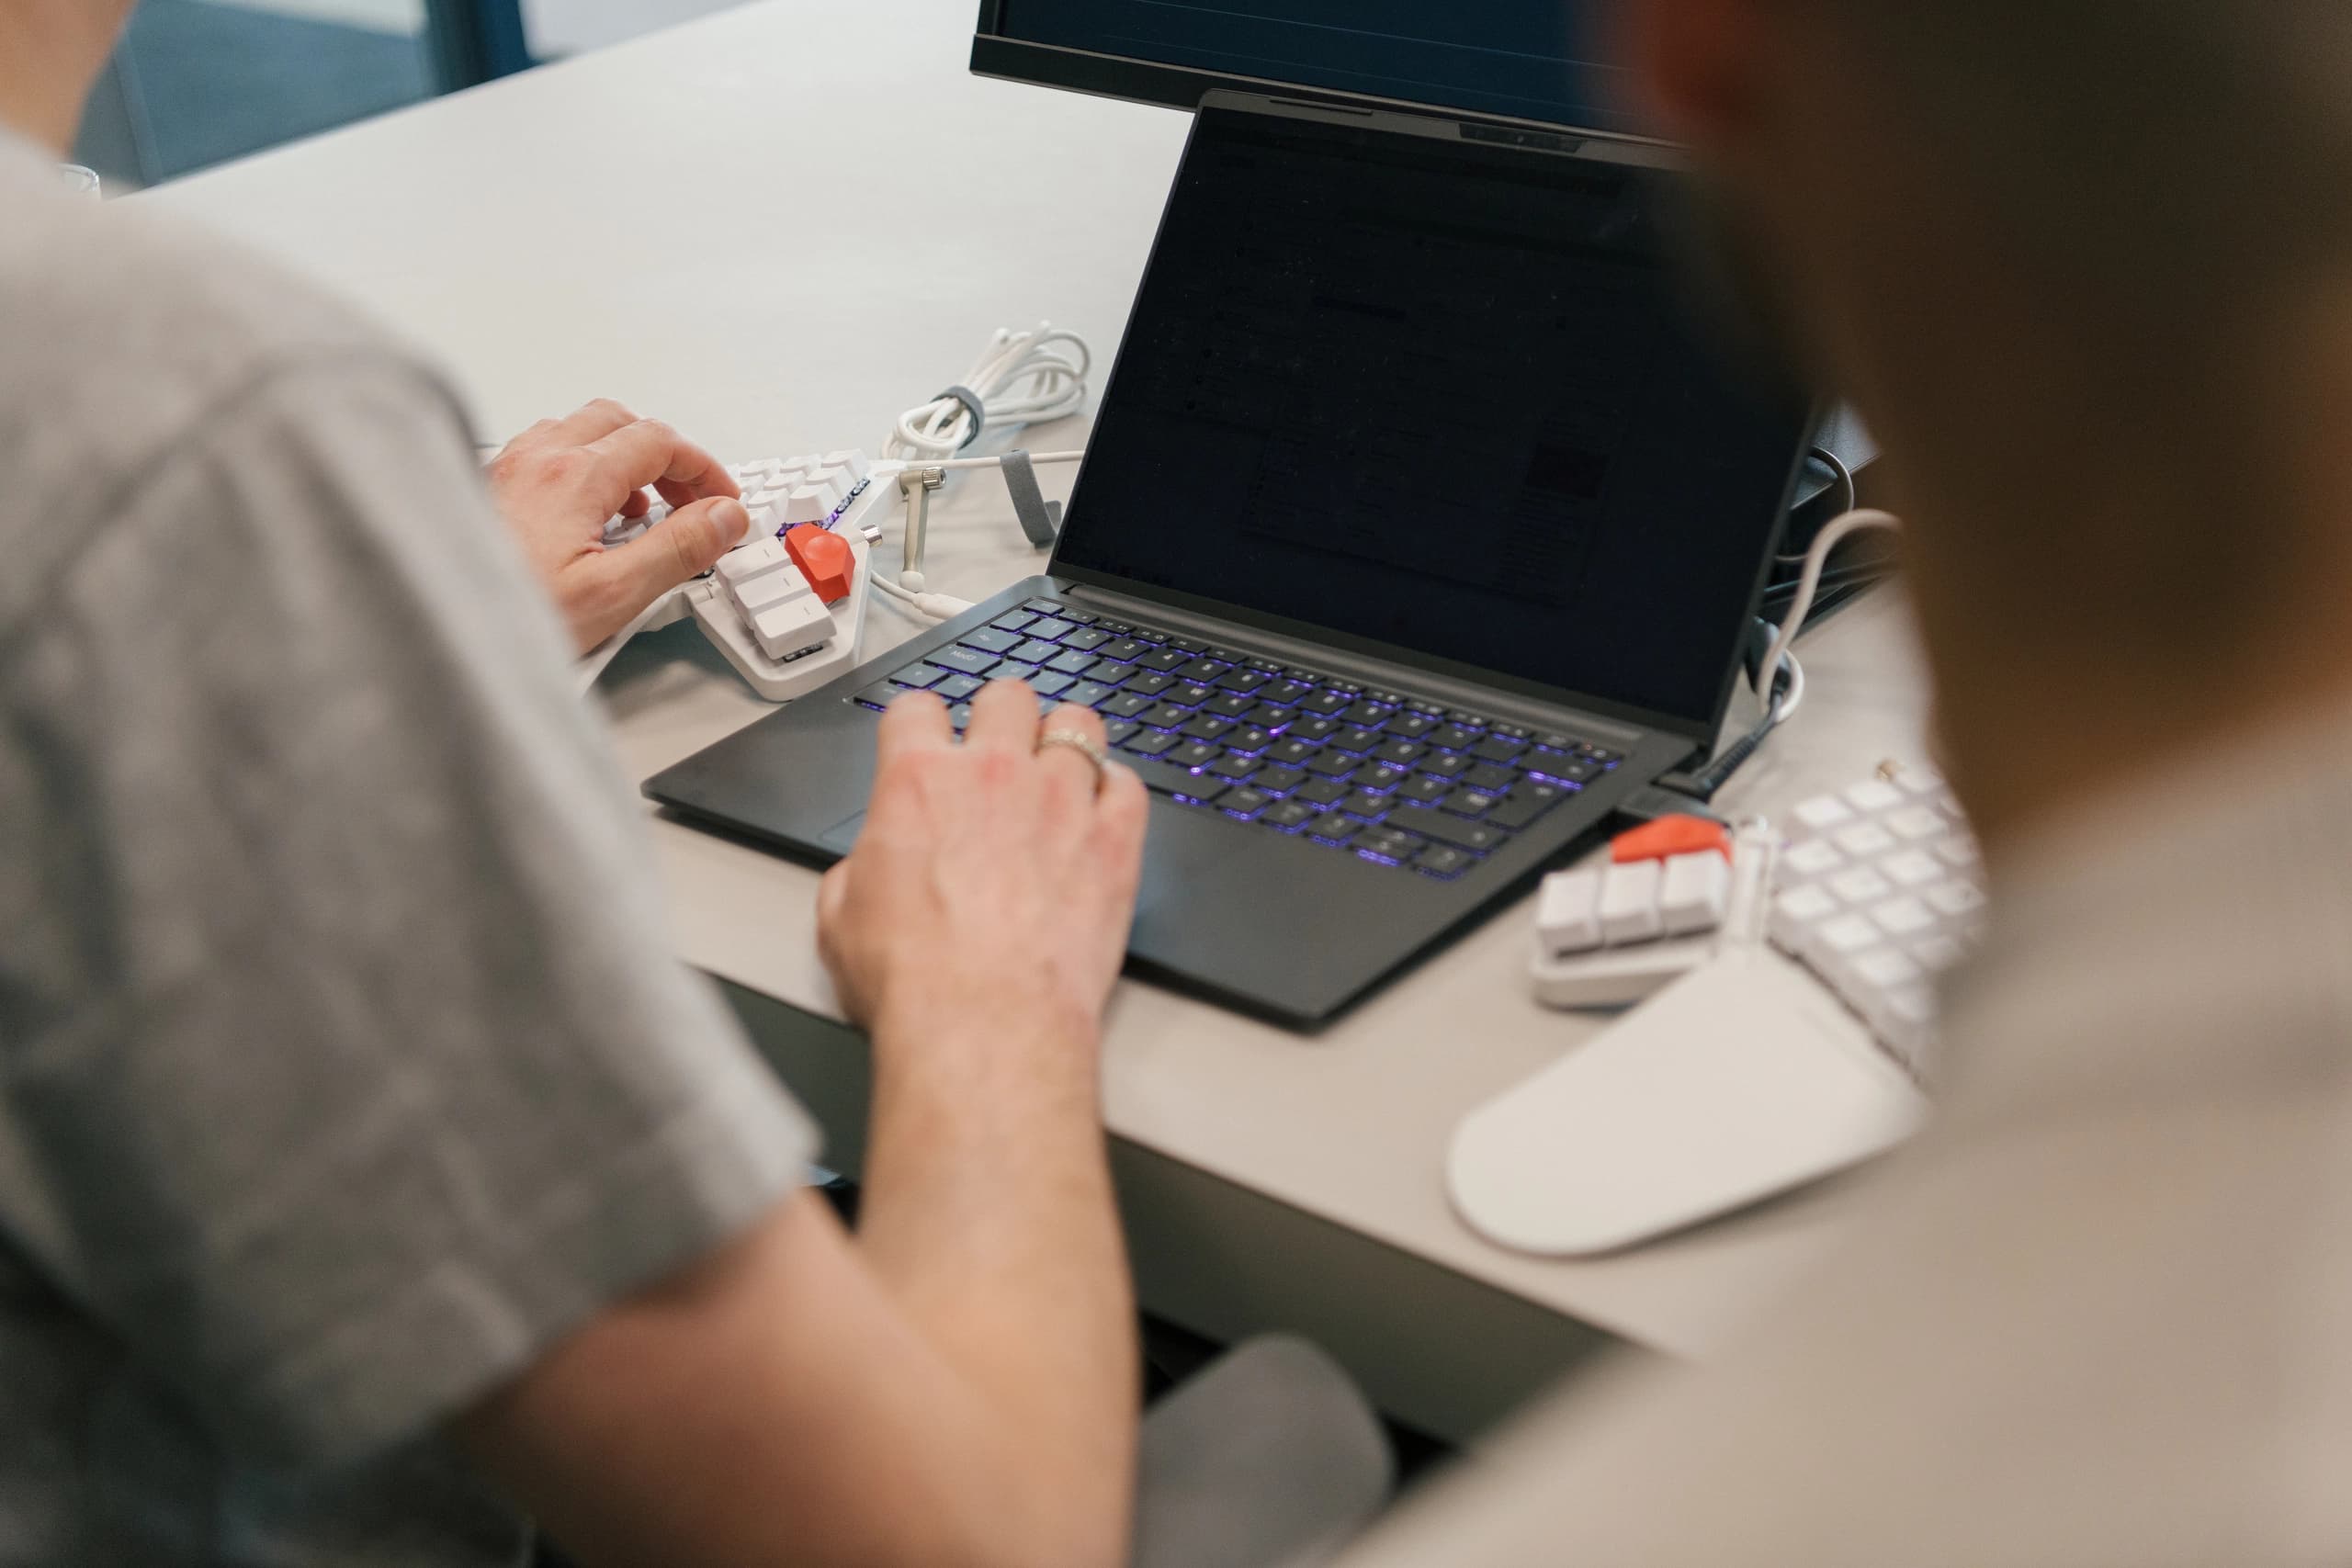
(1441, 396)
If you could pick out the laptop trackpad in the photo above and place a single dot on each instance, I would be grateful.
(842, 837)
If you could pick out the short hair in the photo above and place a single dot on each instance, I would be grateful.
(2163, 149)
(2171, 181)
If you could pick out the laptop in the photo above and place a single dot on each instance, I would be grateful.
(1420, 527)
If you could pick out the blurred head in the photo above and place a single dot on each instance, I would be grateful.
(50, 54)
(2086, 267)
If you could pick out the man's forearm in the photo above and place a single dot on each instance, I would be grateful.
(989, 1212)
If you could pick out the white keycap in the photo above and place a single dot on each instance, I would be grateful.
(1861, 885)
(809, 504)
(1906, 1021)
(1832, 947)
(1629, 903)
(852, 463)
(1912, 868)
(1960, 853)
(1874, 796)
(1865, 839)
(1796, 913)
(1847, 934)
(1567, 917)
(1817, 857)
(1902, 917)
(794, 627)
(759, 595)
(740, 566)
(1938, 954)
(1955, 899)
(765, 521)
(1917, 822)
(1824, 813)
(1925, 783)
(1886, 968)
(1696, 894)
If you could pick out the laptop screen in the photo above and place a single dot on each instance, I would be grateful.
(1441, 396)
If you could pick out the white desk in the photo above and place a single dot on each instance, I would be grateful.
(778, 227)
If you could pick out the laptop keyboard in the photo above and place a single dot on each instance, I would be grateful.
(1391, 779)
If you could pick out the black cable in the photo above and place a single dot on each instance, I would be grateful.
(1709, 781)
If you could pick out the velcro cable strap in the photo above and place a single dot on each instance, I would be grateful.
(980, 411)
(1040, 519)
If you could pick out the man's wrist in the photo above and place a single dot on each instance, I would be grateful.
(1028, 1023)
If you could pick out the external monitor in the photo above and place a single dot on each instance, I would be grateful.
(1537, 62)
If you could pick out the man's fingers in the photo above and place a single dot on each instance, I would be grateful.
(1004, 718)
(679, 549)
(1123, 813)
(649, 452)
(537, 434)
(1078, 772)
(593, 421)
(916, 722)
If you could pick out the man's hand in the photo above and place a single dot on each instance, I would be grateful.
(993, 884)
(559, 481)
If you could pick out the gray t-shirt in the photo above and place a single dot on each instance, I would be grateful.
(343, 1063)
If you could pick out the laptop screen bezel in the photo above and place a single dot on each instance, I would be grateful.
(1448, 127)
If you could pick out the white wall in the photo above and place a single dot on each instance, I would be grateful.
(575, 27)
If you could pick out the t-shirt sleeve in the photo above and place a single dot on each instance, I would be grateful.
(345, 1063)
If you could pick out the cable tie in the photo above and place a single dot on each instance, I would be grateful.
(1040, 519)
(980, 411)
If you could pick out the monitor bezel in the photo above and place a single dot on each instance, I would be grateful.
(1185, 88)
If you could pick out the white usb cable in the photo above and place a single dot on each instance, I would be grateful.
(1023, 379)
(1817, 560)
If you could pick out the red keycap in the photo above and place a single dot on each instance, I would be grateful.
(1668, 837)
(824, 559)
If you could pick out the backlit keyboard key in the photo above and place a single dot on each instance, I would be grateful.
(965, 660)
(1452, 830)
(1526, 804)
(1442, 862)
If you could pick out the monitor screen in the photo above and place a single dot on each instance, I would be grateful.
(1536, 59)
(1442, 395)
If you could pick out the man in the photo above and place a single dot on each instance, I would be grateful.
(370, 1176)
(2086, 265)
